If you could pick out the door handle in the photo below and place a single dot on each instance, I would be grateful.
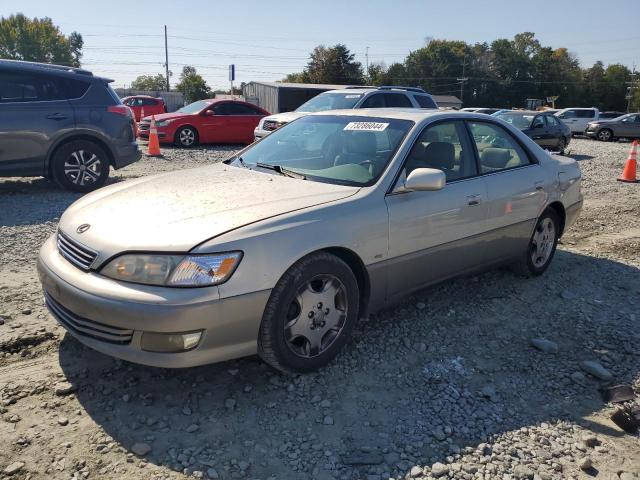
(473, 199)
(56, 116)
(539, 185)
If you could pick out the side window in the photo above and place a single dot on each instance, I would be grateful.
(399, 100)
(632, 119)
(148, 102)
(74, 88)
(497, 149)
(586, 113)
(374, 101)
(552, 121)
(28, 88)
(221, 109)
(538, 122)
(425, 101)
(234, 109)
(444, 146)
(568, 114)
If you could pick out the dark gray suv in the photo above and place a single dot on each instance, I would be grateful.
(62, 123)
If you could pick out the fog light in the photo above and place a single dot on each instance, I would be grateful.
(170, 342)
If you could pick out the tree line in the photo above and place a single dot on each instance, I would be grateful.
(501, 74)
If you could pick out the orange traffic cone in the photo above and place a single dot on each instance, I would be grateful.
(629, 172)
(154, 144)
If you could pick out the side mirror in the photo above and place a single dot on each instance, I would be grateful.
(209, 113)
(424, 180)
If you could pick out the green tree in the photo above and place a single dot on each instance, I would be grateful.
(192, 85)
(614, 87)
(150, 82)
(38, 40)
(332, 65)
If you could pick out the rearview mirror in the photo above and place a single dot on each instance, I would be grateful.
(424, 179)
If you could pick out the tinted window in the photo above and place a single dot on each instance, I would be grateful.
(585, 113)
(444, 146)
(148, 101)
(568, 114)
(552, 121)
(234, 109)
(74, 88)
(29, 88)
(374, 101)
(397, 100)
(425, 101)
(538, 122)
(497, 149)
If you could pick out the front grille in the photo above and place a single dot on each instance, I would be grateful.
(271, 125)
(143, 126)
(87, 328)
(81, 256)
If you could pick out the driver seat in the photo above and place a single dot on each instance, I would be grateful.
(358, 147)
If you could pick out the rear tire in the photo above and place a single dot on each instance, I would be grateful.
(306, 321)
(562, 144)
(542, 246)
(187, 137)
(80, 166)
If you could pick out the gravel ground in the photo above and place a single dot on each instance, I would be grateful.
(452, 383)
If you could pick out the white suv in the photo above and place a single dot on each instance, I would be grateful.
(577, 119)
(350, 97)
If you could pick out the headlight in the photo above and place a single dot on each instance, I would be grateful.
(163, 123)
(173, 270)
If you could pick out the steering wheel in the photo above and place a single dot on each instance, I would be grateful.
(366, 162)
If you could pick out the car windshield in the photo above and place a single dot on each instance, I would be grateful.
(343, 150)
(330, 101)
(518, 120)
(194, 107)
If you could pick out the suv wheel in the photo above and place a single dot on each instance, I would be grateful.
(80, 166)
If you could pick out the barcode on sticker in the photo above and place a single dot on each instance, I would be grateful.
(366, 126)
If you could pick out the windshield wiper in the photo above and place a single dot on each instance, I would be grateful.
(281, 170)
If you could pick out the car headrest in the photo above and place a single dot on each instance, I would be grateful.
(363, 143)
(441, 155)
(495, 157)
(431, 136)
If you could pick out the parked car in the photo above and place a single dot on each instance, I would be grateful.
(352, 97)
(609, 115)
(206, 121)
(543, 128)
(626, 126)
(62, 123)
(578, 118)
(150, 105)
(282, 248)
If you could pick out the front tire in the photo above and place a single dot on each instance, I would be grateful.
(187, 137)
(80, 166)
(541, 247)
(310, 314)
(605, 135)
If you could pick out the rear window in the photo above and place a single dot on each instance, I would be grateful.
(425, 101)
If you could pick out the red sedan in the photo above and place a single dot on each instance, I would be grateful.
(206, 121)
(150, 105)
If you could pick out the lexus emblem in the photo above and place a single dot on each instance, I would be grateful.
(83, 228)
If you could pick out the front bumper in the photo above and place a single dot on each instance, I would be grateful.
(259, 134)
(229, 326)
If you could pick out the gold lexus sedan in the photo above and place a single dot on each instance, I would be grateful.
(282, 248)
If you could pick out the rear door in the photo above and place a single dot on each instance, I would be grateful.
(570, 119)
(516, 186)
(236, 122)
(540, 132)
(33, 111)
(555, 130)
(435, 235)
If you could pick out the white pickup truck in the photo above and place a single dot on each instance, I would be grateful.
(577, 119)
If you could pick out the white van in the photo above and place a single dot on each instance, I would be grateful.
(577, 119)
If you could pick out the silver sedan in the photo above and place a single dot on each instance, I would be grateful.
(282, 248)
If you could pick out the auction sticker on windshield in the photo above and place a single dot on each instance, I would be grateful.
(366, 126)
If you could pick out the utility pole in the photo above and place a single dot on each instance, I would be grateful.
(463, 78)
(166, 56)
(366, 56)
(631, 88)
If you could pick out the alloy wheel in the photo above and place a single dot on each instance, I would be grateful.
(316, 316)
(83, 167)
(604, 135)
(187, 137)
(542, 242)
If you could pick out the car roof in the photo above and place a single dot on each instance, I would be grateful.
(524, 112)
(413, 114)
(144, 96)
(364, 90)
(53, 69)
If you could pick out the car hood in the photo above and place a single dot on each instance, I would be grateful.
(286, 117)
(176, 211)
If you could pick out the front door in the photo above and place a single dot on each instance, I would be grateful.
(437, 234)
(33, 110)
